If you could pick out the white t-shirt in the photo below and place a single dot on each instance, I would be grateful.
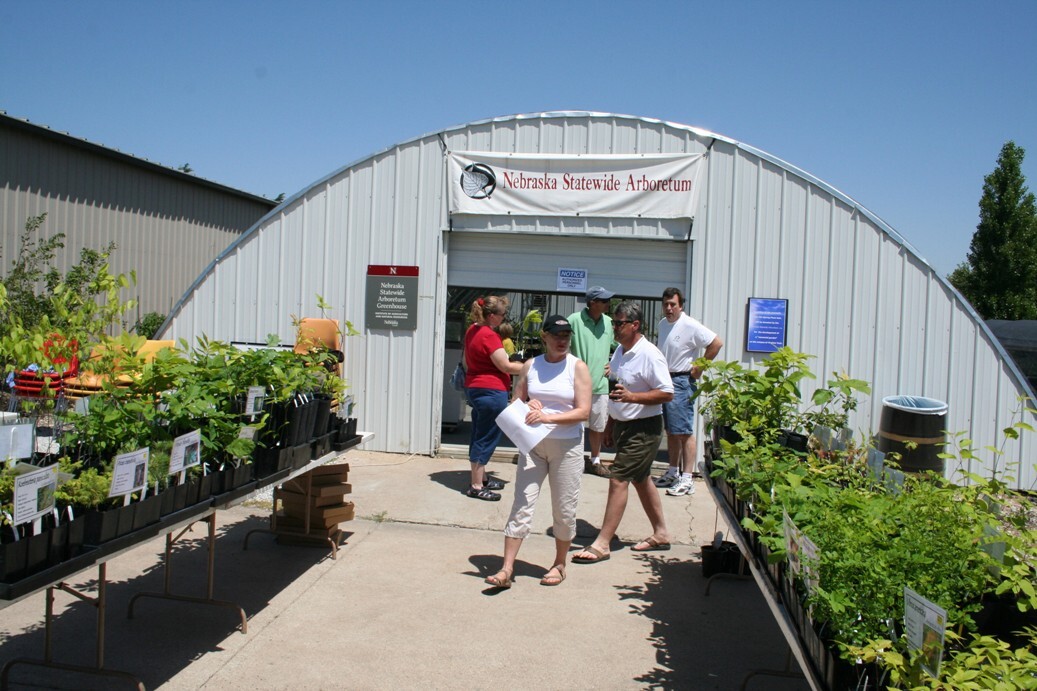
(642, 369)
(683, 341)
(554, 385)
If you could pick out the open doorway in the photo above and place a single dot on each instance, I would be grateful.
(526, 312)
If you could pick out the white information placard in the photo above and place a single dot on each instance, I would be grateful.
(572, 280)
(187, 451)
(34, 493)
(16, 441)
(255, 400)
(512, 422)
(129, 473)
(802, 554)
(925, 624)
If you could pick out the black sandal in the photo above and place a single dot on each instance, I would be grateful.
(484, 494)
(492, 483)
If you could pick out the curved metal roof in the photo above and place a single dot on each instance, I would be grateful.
(699, 132)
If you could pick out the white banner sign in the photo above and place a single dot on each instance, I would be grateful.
(630, 186)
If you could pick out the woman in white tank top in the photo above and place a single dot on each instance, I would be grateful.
(557, 388)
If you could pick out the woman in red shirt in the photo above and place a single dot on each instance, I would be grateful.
(487, 385)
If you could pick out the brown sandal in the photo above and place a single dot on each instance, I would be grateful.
(497, 582)
(548, 579)
(653, 545)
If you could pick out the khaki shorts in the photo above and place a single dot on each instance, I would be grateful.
(599, 416)
(637, 443)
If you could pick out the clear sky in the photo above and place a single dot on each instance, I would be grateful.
(903, 106)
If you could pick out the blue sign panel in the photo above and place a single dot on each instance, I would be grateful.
(766, 324)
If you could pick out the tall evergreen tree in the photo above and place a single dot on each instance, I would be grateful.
(1000, 276)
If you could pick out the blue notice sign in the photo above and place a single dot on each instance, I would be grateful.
(766, 324)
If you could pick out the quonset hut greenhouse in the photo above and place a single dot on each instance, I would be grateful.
(542, 205)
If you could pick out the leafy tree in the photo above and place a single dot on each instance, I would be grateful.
(1000, 276)
(30, 272)
(33, 279)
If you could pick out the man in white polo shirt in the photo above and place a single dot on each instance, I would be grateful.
(641, 385)
(682, 340)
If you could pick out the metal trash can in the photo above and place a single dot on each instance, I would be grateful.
(914, 419)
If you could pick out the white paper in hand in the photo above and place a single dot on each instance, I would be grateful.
(512, 422)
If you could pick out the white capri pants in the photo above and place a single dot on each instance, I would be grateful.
(562, 461)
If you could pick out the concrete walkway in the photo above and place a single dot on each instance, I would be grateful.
(405, 606)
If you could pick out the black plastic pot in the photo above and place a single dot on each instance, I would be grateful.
(193, 490)
(266, 461)
(275, 428)
(180, 496)
(124, 520)
(38, 551)
(321, 446)
(1000, 617)
(76, 536)
(322, 404)
(168, 501)
(147, 511)
(13, 557)
(301, 455)
(723, 559)
(206, 484)
(101, 526)
(58, 551)
(793, 440)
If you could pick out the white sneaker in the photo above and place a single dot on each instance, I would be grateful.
(685, 485)
(667, 479)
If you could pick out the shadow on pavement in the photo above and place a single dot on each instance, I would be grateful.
(698, 637)
(164, 636)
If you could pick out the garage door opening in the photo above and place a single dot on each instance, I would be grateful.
(524, 308)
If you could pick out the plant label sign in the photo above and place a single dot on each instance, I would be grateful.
(129, 473)
(392, 298)
(186, 451)
(802, 554)
(255, 400)
(34, 493)
(925, 623)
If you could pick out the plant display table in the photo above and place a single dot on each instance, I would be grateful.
(172, 526)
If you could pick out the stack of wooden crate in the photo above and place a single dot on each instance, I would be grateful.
(313, 505)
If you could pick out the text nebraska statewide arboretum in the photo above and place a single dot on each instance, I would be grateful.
(595, 183)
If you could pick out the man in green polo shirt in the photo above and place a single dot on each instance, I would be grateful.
(592, 343)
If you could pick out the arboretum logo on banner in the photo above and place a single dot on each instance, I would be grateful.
(638, 186)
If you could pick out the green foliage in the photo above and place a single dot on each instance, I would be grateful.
(76, 312)
(762, 401)
(952, 544)
(1000, 276)
(30, 271)
(88, 488)
(979, 663)
(37, 293)
(148, 325)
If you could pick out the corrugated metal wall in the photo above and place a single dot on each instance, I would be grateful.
(860, 300)
(166, 226)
